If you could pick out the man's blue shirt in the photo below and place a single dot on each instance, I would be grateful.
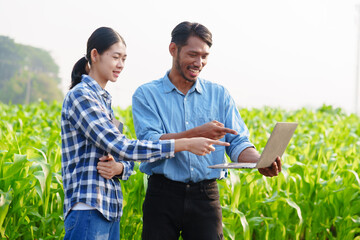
(160, 108)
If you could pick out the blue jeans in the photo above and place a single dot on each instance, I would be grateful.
(90, 225)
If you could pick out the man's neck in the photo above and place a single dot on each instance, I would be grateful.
(180, 82)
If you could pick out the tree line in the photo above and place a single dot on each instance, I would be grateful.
(27, 74)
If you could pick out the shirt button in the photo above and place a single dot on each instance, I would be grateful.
(185, 99)
(187, 122)
(192, 169)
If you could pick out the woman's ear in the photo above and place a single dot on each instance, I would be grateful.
(94, 55)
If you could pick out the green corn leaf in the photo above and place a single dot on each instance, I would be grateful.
(296, 207)
(5, 200)
(12, 168)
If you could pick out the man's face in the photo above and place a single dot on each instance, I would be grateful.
(191, 58)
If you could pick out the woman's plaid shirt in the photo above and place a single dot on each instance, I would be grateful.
(87, 133)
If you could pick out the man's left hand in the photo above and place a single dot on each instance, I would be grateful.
(273, 170)
(108, 168)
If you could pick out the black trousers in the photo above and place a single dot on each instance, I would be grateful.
(173, 208)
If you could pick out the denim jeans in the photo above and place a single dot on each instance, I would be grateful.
(90, 225)
(173, 208)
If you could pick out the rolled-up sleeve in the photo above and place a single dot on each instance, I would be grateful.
(233, 120)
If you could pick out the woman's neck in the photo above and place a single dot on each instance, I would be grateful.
(98, 79)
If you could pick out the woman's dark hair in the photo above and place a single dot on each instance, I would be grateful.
(101, 39)
(184, 30)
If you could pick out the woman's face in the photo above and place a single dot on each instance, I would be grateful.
(110, 63)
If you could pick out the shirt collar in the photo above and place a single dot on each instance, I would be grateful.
(169, 86)
(95, 86)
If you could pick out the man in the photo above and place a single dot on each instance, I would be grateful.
(182, 195)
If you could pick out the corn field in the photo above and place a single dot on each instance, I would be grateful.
(316, 196)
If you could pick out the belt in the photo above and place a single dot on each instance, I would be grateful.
(162, 178)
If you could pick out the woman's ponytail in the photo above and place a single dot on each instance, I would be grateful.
(101, 40)
(78, 70)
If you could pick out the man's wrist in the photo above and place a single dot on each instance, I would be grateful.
(120, 169)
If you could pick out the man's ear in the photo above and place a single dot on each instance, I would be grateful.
(94, 55)
(173, 49)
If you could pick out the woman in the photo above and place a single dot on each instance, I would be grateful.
(93, 200)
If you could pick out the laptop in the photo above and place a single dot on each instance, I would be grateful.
(275, 146)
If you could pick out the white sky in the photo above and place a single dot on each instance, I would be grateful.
(280, 53)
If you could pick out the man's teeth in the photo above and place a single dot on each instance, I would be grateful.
(194, 71)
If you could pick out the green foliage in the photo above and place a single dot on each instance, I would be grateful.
(30, 166)
(316, 196)
(27, 74)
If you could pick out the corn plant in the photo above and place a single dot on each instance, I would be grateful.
(30, 181)
(316, 196)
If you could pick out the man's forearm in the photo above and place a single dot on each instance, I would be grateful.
(185, 134)
(249, 155)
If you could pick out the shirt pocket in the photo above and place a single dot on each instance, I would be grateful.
(202, 115)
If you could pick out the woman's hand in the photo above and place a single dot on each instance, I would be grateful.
(198, 145)
(108, 168)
